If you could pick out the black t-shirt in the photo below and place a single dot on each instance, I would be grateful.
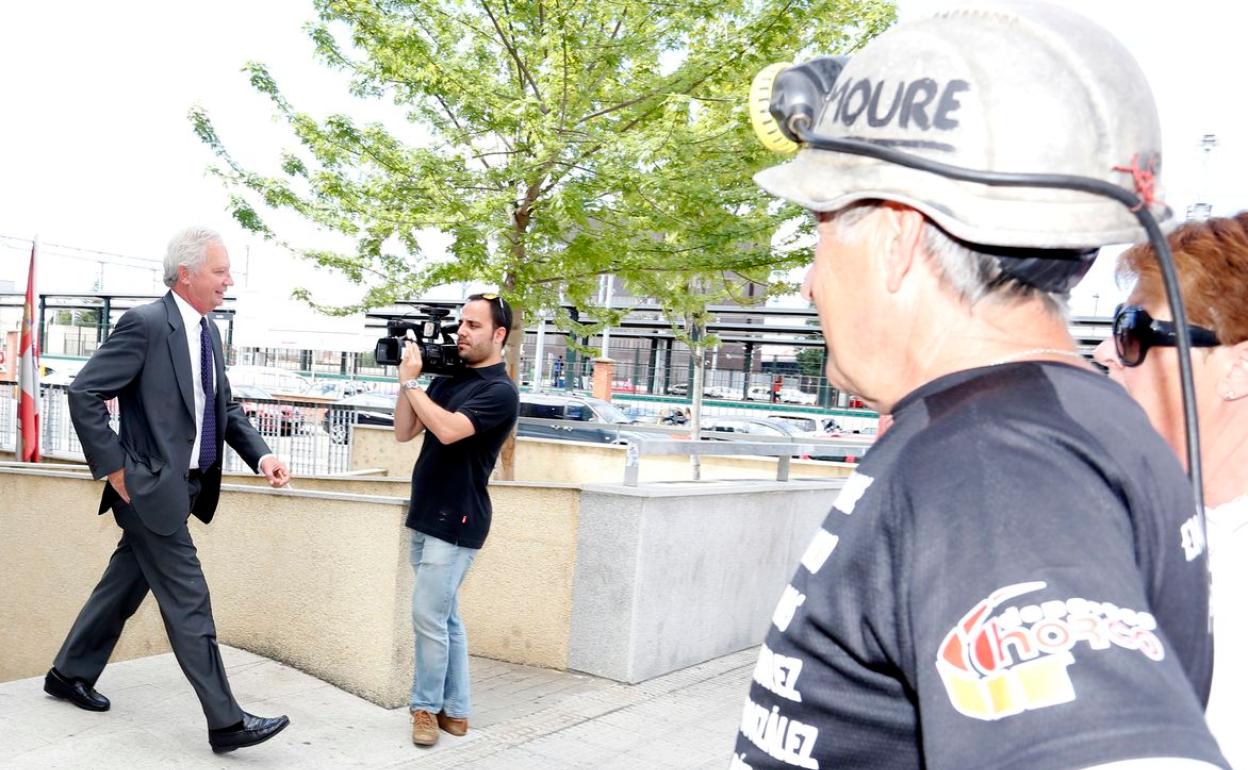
(449, 496)
(1011, 579)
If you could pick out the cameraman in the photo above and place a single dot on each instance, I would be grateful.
(466, 419)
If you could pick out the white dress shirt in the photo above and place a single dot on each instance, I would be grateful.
(1228, 560)
(190, 319)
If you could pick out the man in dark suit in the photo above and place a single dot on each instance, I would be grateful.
(164, 365)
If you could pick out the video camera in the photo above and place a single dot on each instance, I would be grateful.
(435, 340)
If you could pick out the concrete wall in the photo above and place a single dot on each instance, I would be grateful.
(625, 583)
(573, 462)
(53, 549)
(375, 447)
(318, 580)
(517, 599)
(670, 577)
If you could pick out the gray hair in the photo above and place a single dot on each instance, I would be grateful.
(971, 275)
(186, 249)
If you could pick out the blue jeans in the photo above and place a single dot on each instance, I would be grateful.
(440, 681)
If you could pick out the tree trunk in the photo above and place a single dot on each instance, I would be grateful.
(507, 468)
(519, 227)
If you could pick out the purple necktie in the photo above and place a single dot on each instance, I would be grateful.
(208, 436)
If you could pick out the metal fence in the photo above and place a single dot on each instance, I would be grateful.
(312, 438)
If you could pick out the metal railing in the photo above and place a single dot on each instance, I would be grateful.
(784, 451)
(305, 435)
(655, 440)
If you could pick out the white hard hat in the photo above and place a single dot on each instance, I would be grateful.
(1022, 87)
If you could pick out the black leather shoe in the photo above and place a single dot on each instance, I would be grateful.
(75, 691)
(249, 732)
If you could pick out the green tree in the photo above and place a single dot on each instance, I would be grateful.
(565, 140)
(77, 317)
(810, 361)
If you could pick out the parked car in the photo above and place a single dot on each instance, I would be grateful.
(335, 389)
(271, 378)
(360, 409)
(759, 393)
(52, 376)
(640, 416)
(811, 425)
(576, 416)
(266, 413)
(795, 396)
(804, 424)
(763, 429)
(709, 391)
(574, 413)
(753, 428)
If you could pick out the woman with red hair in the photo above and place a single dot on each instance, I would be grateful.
(1212, 262)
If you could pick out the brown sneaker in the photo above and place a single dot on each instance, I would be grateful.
(424, 728)
(453, 725)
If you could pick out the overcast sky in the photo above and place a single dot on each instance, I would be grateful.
(96, 151)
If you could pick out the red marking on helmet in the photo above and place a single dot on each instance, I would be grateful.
(1143, 177)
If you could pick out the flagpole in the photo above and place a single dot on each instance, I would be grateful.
(29, 396)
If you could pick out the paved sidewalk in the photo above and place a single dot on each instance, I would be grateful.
(524, 718)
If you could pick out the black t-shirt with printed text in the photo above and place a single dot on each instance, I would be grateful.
(1014, 577)
(449, 496)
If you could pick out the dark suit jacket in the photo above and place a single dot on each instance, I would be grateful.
(146, 365)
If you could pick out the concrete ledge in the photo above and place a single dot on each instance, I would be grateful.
(575, 462)
(668, 577)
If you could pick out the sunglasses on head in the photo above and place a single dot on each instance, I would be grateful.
(491, 297)
(1135, 331)
(496, 299)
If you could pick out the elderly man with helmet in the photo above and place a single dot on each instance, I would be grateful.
(1003, 581)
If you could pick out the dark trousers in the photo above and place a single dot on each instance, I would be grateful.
(170, 569)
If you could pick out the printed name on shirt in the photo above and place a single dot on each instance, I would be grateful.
(995, 666)
(820, 548)
(787, 740)
(778, 673)
(738, 763)
(855, 487)
(786, 608)
(1192, 535)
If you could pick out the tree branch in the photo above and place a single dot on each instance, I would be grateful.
(524, 74)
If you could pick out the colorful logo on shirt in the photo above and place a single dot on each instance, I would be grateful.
(995, 666)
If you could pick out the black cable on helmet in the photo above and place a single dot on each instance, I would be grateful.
(800, 126)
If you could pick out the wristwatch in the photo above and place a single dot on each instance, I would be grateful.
(411, 384)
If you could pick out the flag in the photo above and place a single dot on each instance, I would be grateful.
(28, 374)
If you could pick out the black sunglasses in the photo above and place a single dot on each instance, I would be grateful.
(1135, 331)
